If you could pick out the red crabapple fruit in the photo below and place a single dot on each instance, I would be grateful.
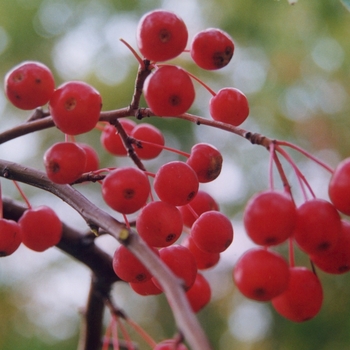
(126, 189)
(10, 237)
(159, 224)
(92, 158)
(161, 35)
(212, 232)
(270, 217)
(303, 298)
(176, 183)
(212, 49)
(64, 162)
(41, 228)
(260, 274)
(145, 288)
(75, 107)
(29, 85)
(199, 294)
(339, 187)
(169, 91)
(229, 106)
(206, 161)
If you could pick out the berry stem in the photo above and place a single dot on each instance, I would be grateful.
(212, 92)
(25, 198)
(137, 56)
(271, 158)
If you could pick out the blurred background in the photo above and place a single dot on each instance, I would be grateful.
(292, 62)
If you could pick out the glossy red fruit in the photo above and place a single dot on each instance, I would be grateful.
(75, 107)
(126, 189)
(212, 49)
(199, 294)
(201, 203)
(128, 267)
(169, 91)
(64, 162)
(318, 226)
(339, 187)
(212, 232)
(204, 260)
(270, 217)
(261, 274)
(111, 139)
(161, 35)
(206, 161)
(10, 237)
(170, 344)
(145, 288)
(92, 159)
(159, 224)
(29, 85)
(337, 261)
(148, 133)
(303, 298)
(181, 262)
(41, 228)
(229, 106)
(176, 183)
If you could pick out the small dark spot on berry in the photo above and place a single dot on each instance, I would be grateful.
(270, 240)
(128, 193)
(222, 58)
(70, 104)
(3, 254)
(37, 81)
(323, 246)
(191, 195)
(343, 268)
(164, 35)
(259, 292)
(54, 167)
(174, 100)
(140, 277)
(170, 237)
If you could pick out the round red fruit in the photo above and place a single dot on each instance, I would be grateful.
(41, 228)
(339, 187)
(111, 139)
(169, 91)
(176, 183)
(261, 274)
(161, 35)
(75, 107)
(126, 190)
(146, 134)
(199, 294)
(270, 218)
(229, 106)
(212, 49)
(29, 85)
(206, 161)
(64, 162)
(10, 237)
(159, 224)
(92, 158)
(303, 298)
(145, 288)
(212, 232)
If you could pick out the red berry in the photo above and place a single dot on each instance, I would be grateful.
(303, 298)
(270, 217)
(161, 35)
(229, 106)
(128, 267)
(159, 224)
(339, 187)
(148, 133)
(41, 228)
(337, 261)
(212, 49)
(199, 294)
(203, 259)
(212, 232)
(169, 91)
(29, 85)
(92, 158)
(176, 183)
(111, 139)
(201, 203)
(181, 262)
(170, 344)
(10, 237)
(145, 288)
(261, 274)
(64, 162)
(318, 226)
(206, 161)
(75, 107)
(126, 190)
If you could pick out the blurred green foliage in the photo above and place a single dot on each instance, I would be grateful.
(293, 62)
